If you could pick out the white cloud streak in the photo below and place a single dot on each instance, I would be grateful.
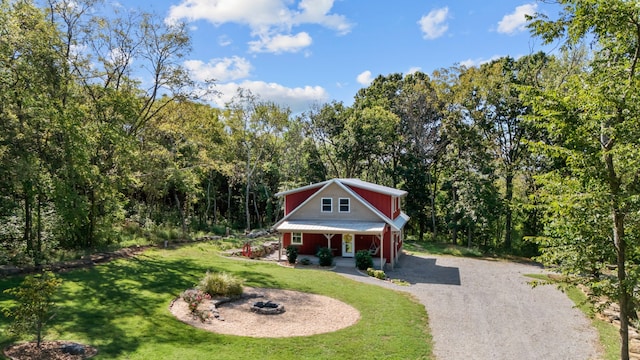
(281, 43)
(298, 99)
(271, 21)
(225, 69)
(364, 78)
(516, 21)
(434, 25)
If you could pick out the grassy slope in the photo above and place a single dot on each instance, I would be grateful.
(122, 308)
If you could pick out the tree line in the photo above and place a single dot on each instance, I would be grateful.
(103, 132)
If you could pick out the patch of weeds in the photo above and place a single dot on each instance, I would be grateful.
(400, 282)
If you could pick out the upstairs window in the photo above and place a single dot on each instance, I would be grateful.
(327, 205)
(344, 205)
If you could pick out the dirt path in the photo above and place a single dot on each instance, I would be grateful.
(482, 309)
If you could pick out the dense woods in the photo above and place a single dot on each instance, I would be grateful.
(104, 137)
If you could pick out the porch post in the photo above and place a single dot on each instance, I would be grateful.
(392, 256)
(382, 250)
(328, 236)
(279, 246)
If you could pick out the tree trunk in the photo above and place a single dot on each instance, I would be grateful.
(38, 248)
(27, 238)
(619, 241)
(247, 212)
(433, 206)
(255, 208)
(182, 216)
(624, 297)
(508, 212)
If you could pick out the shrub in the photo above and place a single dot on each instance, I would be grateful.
(378, 274)
(221, 284)
(325, 258)
(292, 254)
(193, 298)
(35, 304)
(363, 260)
(305, 261)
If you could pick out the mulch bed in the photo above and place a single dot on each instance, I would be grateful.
(50, 350)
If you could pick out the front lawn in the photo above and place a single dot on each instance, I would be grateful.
(122, 308)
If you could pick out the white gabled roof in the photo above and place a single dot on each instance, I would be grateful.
(350, 182)
(331, 226)
(373, 187)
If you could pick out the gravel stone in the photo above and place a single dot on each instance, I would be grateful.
(485, 309)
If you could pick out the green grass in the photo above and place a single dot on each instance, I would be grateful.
(122, 309)
(609, 335)
(440, 249)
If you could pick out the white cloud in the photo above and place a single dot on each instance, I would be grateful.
(298, 99)
(224, 40)
(433, 25)
(267, 19)
(281, 43)
(516, 21)
(479, 61)
(365, 78)
(225, 69)
(414, 70)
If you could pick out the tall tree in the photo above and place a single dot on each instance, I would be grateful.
(31, 70)
(595, 121)
(493, 103)
(256, 129)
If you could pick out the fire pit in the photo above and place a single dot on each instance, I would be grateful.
(267, 308)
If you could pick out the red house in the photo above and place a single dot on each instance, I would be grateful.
(345, 215)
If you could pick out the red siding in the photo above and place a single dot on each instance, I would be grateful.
(294, 200)
(397, 213)
(312, 242)
(381, 202)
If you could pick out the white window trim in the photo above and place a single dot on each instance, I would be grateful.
(322, 205)
(301, 238)
(348, 205)
(393, 205)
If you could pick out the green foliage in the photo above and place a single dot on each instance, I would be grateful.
(292, 254)
(120, 307)
(378, 274)
(35, 305)
(325, 257)
(363, 260)
(305, 261)
(221, 284)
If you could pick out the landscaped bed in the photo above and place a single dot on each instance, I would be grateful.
(121, 309)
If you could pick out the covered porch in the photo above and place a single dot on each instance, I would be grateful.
(344, 238)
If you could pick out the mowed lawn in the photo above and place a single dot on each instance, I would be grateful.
(122, 308)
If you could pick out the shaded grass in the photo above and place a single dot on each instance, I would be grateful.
(441, 249)
(122, 308)
(608, 333)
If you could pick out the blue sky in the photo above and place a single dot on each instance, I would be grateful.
(301, 52)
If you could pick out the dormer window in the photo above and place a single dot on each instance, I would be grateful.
(344, 205)
(327, 205)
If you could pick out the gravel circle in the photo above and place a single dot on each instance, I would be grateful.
(484, 309)
(305, 314)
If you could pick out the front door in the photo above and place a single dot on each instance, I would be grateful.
(348, 248)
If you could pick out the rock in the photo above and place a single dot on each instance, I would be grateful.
(611, 314)
(634, 346)
(73, 349)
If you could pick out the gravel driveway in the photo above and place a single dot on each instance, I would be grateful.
(482, 309)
